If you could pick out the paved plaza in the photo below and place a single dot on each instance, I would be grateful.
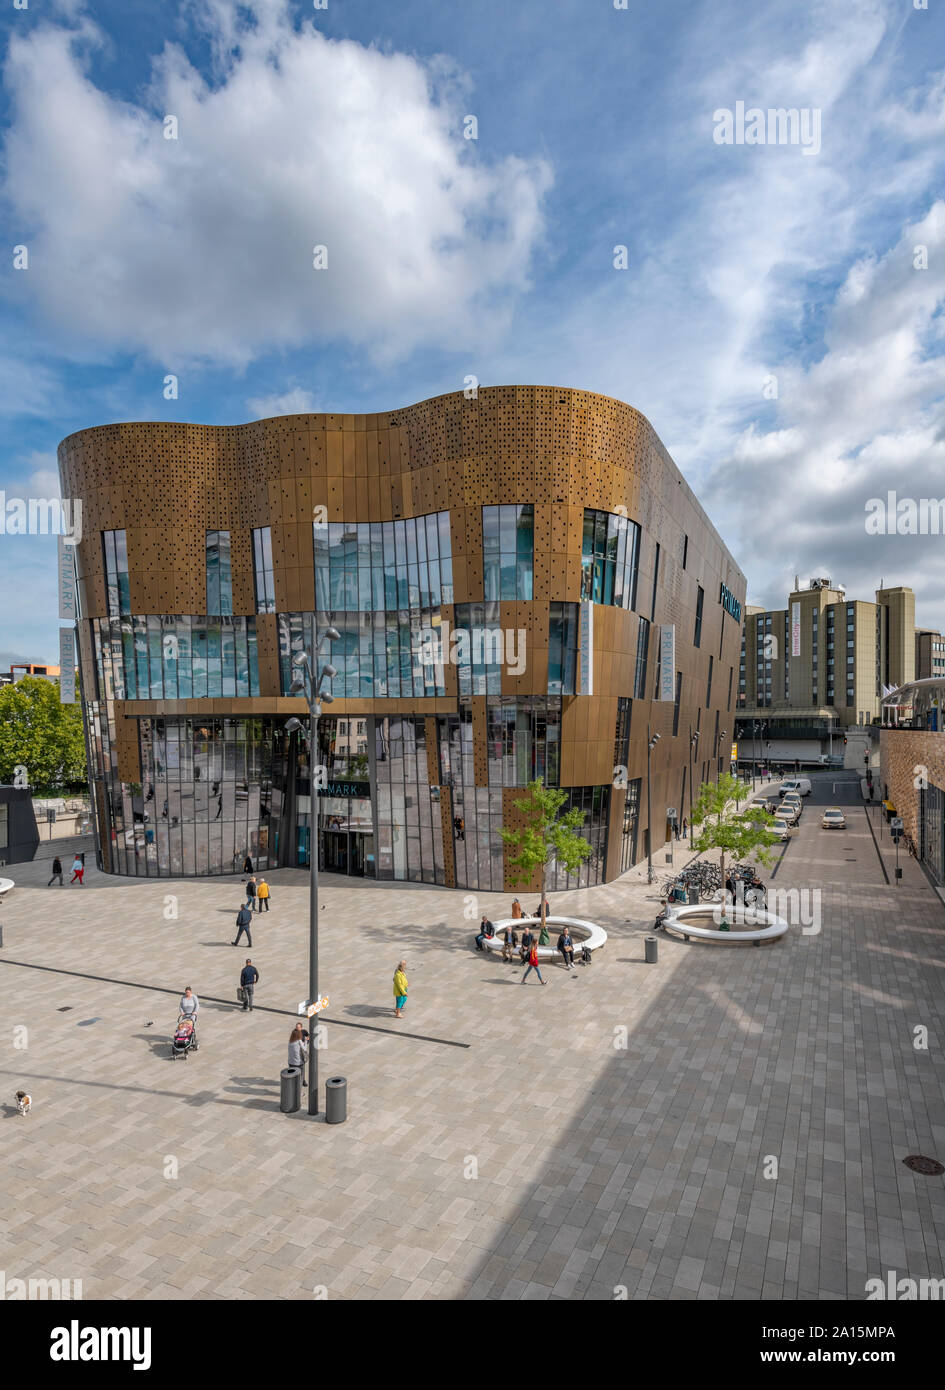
(539, 1157)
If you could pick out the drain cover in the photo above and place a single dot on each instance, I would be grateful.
(64, 1009)
(930, 1167)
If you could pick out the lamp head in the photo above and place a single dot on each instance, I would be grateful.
(327, 697)
(300, 659)
(293, 725)
(329, 670)
(332, 634)
(297, 687)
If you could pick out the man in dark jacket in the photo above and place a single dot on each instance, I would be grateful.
(244, 920)
(526, 946)
(248, 977)
(566, 947)
(56, 871)
(486, 929)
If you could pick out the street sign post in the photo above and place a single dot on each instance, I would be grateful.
(309, 1007)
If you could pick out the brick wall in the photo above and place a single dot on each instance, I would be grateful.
(902, 752)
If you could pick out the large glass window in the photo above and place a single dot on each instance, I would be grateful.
(219, 573)
(383, 566)
(176, 657)
(631, 815)
(700, 601)
(262, 570)
(524, 740)
(643, 643)
(480, 650)
(610, 555)
(117, 588)
(508, 551)
(563, 633)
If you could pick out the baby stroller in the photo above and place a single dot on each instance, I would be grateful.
(184, 1040)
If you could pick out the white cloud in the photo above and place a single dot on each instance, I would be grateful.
(292, 402)
(202, 247)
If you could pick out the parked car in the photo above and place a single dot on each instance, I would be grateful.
(793, 799)
(790, 815)
(796, 784)
(781, 828)
(833, 819)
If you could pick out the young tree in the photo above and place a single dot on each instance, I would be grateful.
(544, 836)
(724, 827)
(40, 734)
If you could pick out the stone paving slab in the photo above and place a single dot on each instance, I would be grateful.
(543, 1160)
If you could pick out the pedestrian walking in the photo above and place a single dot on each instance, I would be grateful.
(247, 865)
(262, 895)
(244, 920)
(533, 965)
(56, 872)
(250, 893)
(248, 978)
(78, 870)
(298, 1051)
(189, 1003)
(400, 988)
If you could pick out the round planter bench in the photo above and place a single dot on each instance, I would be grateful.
(583, 933)
(762, 925)
(5, 885)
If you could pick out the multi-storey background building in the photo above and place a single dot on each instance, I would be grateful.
(929, 654)
(811, 670)
(501, 571)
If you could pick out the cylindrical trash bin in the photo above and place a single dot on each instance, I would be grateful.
(693, 896)
(336, 1100)
(290, 1090)
(651, 949)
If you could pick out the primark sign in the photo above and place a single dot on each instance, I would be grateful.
(729, 602)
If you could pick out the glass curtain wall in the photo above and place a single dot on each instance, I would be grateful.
(610, 555)
(212, 792)
(219, 574)
(508, 551)
(175, 657)
(409, 824)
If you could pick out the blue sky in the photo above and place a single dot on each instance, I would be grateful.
(494, 257)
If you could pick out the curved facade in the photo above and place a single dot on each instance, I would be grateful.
(500, 570)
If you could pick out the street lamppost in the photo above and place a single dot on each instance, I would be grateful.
(308, 684)
(693, 740)
(650, 745)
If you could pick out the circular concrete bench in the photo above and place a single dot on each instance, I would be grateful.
(583, 933)
(5, 885)
(759, 925)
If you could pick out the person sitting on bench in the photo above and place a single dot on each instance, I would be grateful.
(566, 947)
(509, 942)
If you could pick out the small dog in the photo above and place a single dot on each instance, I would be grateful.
(24, 1103)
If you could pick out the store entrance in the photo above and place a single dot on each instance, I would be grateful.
(348, 852)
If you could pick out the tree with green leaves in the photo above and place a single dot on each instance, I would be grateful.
(724, 827)
(42, 735)
(545, 836)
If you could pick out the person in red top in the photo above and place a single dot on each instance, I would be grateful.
(533, 965)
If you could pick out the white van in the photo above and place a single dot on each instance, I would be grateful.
(801, 785)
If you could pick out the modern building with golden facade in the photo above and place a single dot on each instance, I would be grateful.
(523, 583)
